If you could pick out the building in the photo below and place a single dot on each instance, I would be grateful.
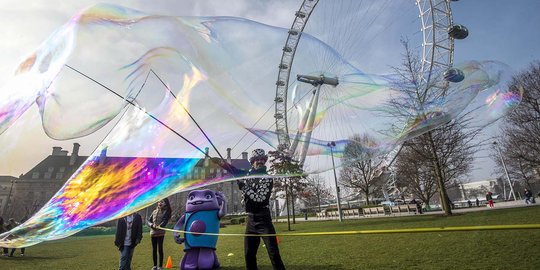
(6, 190)
(32, 190)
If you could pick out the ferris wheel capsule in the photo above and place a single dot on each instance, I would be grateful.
(454, 75)
(458, 31)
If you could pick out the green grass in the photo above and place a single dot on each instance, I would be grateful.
(515, 249)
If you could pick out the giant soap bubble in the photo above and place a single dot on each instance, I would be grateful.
(110, 62)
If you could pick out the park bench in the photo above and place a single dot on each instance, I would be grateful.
(351, 213)
(333, 214)
(404, 208)
(321, 215)
(355, 212)
(347, 213)
(371, 211)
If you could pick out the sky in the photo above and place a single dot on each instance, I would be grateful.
(501, 30)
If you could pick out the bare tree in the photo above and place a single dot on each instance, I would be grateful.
(415, 175)
(446, 151)
(362, 168)
(316, 191)
(520, 144)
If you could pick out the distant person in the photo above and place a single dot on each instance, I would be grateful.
(469, 203)
(159, 218)
(417, 204)
(419, 207)
(477, 202)
(128, 236)
(23, 220)
(489, 199)
(529, 198)
(3, 229)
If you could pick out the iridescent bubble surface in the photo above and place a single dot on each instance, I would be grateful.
(221, 70)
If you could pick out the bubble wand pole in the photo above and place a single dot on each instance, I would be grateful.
(190, 116)
(141, 109)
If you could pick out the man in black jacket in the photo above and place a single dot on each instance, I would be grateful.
(128, 235)
(256, 191)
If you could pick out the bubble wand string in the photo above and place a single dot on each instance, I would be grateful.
(389, 231)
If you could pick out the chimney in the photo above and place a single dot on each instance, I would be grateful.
(102, 156)
(63, 153)
(206, 157)
(245, 155)
(229, 155)
(56, 151)
(74, 154)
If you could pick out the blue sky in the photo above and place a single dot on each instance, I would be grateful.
(499, 30)
(506, 31)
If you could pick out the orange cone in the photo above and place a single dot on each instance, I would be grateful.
(169, 263)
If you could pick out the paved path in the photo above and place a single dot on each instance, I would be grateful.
(498, 205)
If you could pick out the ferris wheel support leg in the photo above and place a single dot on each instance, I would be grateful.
(299, 133)
(309, 126)
(303, 124)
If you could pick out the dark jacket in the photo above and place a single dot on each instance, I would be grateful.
(136, 231)
(256, 191)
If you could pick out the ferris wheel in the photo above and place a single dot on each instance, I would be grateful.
(438, 35)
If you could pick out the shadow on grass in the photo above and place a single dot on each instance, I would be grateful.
(292, 267)
(314, 266)
(36, 258)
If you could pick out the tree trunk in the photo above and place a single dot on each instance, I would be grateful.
(427, 205)
(319, 201)
(276, 202)
(293, 213)
(367, 197)
(287, 202)
(440, 181)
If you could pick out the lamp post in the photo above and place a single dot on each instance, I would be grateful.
(505, 170)
(332, 145)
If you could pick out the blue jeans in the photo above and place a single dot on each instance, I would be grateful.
(126, 254)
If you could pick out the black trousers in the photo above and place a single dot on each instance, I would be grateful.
(157, 246)
(261, 223)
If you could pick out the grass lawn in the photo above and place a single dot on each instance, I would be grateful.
(512, 249)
